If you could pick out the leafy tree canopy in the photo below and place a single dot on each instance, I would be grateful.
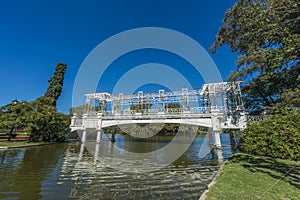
(144, 104)
(56, 83)
(265, 33)
(39, 117)
(173, 105)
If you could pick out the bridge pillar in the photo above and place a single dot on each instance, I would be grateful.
(214, 137)
(217, 139)
(99, 135)
(84, 135)
(99, 128)
(113, 137)
(216, 120)
(83, 138)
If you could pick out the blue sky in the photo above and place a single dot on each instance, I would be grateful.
(36, 35)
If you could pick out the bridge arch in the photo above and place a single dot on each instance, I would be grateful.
(196, 122)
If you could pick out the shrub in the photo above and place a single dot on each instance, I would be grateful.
(278, 136)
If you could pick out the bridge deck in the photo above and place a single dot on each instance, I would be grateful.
(216, 106)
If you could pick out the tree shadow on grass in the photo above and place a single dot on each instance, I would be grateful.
(274, 167)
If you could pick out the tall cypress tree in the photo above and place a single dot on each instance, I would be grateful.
(39, 117)
(46, 123)
(56, 83)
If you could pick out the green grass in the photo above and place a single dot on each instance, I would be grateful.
(15, 132)
(18, 143)
(255, 177)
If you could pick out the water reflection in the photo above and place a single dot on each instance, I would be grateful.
(26, 169)
(67, 171)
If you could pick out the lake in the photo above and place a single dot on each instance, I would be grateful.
(125, 169)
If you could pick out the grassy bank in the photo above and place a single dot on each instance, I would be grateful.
(19, 143)
(254, 177)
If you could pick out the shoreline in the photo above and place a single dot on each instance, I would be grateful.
(213, 181)
(25, 145)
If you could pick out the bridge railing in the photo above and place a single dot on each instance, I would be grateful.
(173, 110)
(200, 109)
(256, 118)
(77, 122)
(90, 122)
(169, 111)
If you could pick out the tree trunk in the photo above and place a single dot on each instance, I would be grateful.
(10, 133)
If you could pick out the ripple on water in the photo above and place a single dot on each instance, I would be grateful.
(170, 182)
(68, 171)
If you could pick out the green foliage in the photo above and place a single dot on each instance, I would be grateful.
(266, 35)
(39, 117)
(45, 123)
(173, 105)
(79, 110)
(141, 106)
(290, 101)
(56, 83)
(278, 136)
(12, 115)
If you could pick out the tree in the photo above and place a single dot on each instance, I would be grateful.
(45, 123)
(142, 105)
(12, 116)
(56, 83)
(79, 110)
(265, 33)
(173, 105)
(39, 117)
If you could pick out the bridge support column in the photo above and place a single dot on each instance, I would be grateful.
(217, 139)
(83, 138)
(214, 138)
(210, 138)
(113, 137)
(216, 119)
(99, 130)
(99, 135)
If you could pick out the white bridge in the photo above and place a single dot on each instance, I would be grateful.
(216, 106)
